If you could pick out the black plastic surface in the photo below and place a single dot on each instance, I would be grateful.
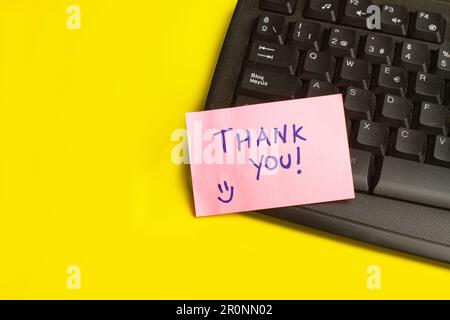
(408, 227)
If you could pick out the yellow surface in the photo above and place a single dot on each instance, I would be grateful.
(86, 177)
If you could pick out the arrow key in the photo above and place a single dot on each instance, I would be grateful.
(274, 56)
(394, 20)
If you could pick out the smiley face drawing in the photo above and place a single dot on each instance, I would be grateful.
(225, 191)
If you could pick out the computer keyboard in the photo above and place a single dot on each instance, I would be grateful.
(395, 82)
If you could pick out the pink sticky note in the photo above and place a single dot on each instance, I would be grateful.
(269, 155)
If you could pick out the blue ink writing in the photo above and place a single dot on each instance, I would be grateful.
(222, 134)
(280, 135)
(241, 141)
(227, 189)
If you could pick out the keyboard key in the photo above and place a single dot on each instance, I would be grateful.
(270, 84)
(441, 152)
(410, 145)
(415, 182)
(414, 56)
(245, 101)
(362, 168)
(378, 49)
(433, 119)
(274, 55)
(354, 72)
(428, 87)
(372, 137)
(306, 35)
(442, 64)
(318, 88)
(279, 6)
(326, 10)
(349, 125)
(394, 20)
(428, 26)
(355, 13)
(317, 65)
(360, 104)
(396, 111)
(271, 28)
(391, 79)
(342, 42)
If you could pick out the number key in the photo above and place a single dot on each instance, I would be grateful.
(378, 49)
(342, 42)
(414, 56)
(306, 35)
(442, 65)
(271, 28)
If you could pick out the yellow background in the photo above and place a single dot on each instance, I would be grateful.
(86, 176)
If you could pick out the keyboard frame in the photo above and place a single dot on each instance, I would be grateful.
(399, 225)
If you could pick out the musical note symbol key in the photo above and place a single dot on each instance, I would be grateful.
(326, 10)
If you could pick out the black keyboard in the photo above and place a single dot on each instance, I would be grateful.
(393, 70)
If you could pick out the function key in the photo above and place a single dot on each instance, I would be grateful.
(428, 26)
(378, 49)
(271, 28)
(342, 42)
(306, 35)
(274, 55)
(280, 6)
(394, 20)
(414, 56)
(442, 63)
(326, 10)
(355, 13)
